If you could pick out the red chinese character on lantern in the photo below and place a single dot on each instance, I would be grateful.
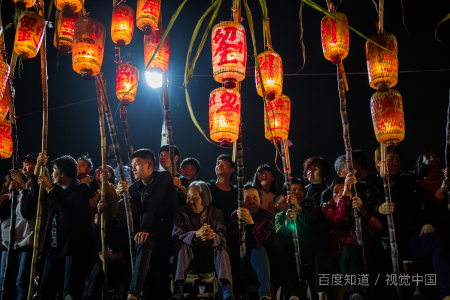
(229, 103)
(26, 24)
(150, 7)
(225, 39)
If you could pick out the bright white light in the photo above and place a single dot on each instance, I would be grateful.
(154, 79)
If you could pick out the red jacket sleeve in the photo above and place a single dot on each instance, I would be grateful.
(341, 212)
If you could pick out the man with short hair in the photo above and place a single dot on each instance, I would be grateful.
(224, 195)
(153, 206)
(179, 181)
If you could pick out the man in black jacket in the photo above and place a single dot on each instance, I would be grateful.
(153, 206)
(66, 235)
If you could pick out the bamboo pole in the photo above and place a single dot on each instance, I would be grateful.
(44, 152)
(115, 141)
(168, 122)
(103, 187)
(447, 152)
(348, 153)
(287, 180)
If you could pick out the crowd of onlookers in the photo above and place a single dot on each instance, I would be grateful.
(181, 225)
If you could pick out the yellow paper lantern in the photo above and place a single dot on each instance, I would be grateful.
(224, 115)
(161, 61)
(147, 15)
(88, 47)
(5, 139)
(272, 73)
(4, 74)
(127, 76)
(122, 26)
(388, 117)
(63, 37)
(23, 4)
(29, 34)
(382, 65)
(69, 7)
(335, 38)
(229, 53)
(279, 112)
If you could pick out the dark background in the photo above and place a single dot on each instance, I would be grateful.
(315, 123)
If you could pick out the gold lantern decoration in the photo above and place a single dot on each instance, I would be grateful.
(5, 139)
(224, 115)
(63, 37)
(69, 7)
(147, 15)
(388, 117)
(335, 38)
(29, 34)
(272, 74)
(127, 77)
(382, 65)
(88, 47)
(4, 75)
(122, 26)
(279, 112)
(161, 61)
(24, 4)
(229, 53)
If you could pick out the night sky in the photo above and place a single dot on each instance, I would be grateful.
(315, 123)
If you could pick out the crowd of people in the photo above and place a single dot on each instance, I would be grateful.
(183, 225)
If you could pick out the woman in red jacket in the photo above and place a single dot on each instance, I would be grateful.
(344, 250)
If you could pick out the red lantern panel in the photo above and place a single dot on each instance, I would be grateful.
(23, 4)
(69, 7)
(272, 73)
(229, 53)
(224, 115)
(4, 74)
(335, 38)
(382, 65)
(5, 139)
(388, 117)
(161, 60)
(29, 34)
(3, 108)
(279, 112)
(63, 38)
(127, 77)
(122, 26)
(147, 15)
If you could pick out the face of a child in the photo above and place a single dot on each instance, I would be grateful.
(189, 171)
(338, 191)
(281, 205)
(83, 167)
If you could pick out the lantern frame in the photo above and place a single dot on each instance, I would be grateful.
(122, 16)
(69, 7)
(5, 139)
(145, 20)
(134, 78)
(279, 114)
(162, 58)
(24, 4)
(63, 36)
(335, 38)
(271, 66)
(30, 28)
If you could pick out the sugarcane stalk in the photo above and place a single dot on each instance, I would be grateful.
(103, 187)
(348, 154)
(37, 229)
(115, 141)
(390, 219)
(287, 180)
(447, 152)
(168, 122)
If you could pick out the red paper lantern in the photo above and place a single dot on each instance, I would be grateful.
(224, 115)
(382, 65)
(279, 112)
(3, 108)
(388, 117)
(335, 38)
(23, 4)
(29, 34)
(161, 61)
(4, 74)
(229, 53)
(272, 73)
(5, 139)
(127, 76)
(63, 37)
(69, 7)
(88, 47)
(122, 26)
(147, 15)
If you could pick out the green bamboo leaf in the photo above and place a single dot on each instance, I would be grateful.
(442, 21)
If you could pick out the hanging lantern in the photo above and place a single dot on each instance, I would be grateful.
(4, 74)
(335, 38)
(24, 4)
(69, 7)
(29, 34)
(229, 53)
(279, 111)
(147, 15)
(272, 73)
(5, 139)
(63, 37)
(3, 108)
(88, 45)
(388, 117)
(127, 76)
(122, 26)
(161, 61)
(381, 64)
(224, 115)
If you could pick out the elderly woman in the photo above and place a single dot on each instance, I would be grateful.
(199, 233)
